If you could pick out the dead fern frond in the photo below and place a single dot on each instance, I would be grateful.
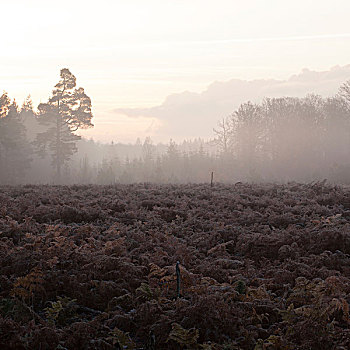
(156, 271)
(145, 292)
(185, 338)
(61, 310)
(259, 293)
(339, 305)
(25, 287)
(122, 339)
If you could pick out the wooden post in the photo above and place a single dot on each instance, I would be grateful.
(211, 179)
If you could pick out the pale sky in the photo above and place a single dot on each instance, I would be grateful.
(135, 53)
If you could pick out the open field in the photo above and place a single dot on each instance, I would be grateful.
(94, 267)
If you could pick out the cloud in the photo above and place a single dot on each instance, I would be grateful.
(189, 114)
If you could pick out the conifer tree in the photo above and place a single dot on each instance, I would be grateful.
(67, 110)
(15, 149)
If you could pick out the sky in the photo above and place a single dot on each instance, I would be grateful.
(136, 55)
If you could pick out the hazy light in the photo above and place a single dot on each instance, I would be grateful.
(134, 53)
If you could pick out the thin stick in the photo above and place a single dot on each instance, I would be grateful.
(212, 178)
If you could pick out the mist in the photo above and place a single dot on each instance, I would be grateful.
(175, 175)
(281, 139)
(199, 111)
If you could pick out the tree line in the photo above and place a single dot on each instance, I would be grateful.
(67, 110)
(279, 139)
(288, 138)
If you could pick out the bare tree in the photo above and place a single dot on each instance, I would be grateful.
(223, 136)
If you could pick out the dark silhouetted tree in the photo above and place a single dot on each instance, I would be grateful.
(15, 149)
(67, 110)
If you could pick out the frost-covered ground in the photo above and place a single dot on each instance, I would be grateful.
(89, 267)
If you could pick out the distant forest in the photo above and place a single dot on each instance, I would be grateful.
(278, 140)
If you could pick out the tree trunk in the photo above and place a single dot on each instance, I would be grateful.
(58, 144)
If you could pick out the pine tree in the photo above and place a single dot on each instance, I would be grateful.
(15, 149)
(67, 110)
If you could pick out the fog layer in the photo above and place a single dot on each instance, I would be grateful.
(280, 139)
(199, 111)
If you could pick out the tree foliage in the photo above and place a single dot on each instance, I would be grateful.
(15, 150)
(67, 110)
